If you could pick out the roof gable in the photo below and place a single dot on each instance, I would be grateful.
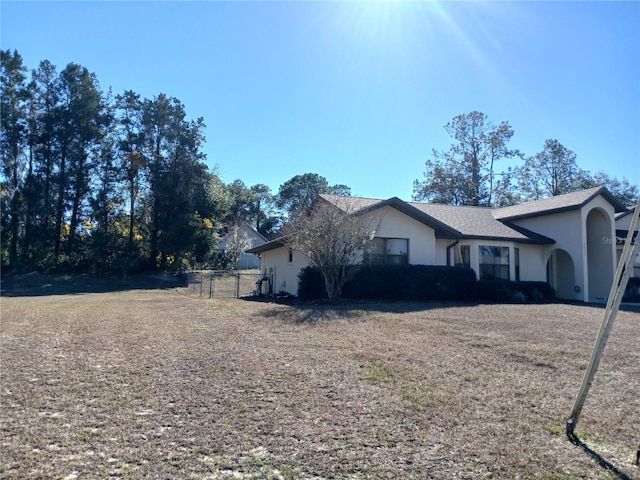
(361, 206)
(621, 215)
(448, 221)
(557, 204)
(479, 223)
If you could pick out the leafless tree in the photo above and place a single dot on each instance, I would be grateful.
(332, 236)
(237, 242)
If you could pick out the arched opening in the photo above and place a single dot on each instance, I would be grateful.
(599, 254)
(561, 275)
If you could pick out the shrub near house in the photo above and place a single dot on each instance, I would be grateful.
(412, 282)
(424, 283)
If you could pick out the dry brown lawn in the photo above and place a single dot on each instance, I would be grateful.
(161, 384)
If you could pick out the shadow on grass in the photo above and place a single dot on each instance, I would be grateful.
(600, 460)
(37, 284)
(311, 311)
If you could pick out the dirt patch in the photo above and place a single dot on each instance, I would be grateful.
(155, 383)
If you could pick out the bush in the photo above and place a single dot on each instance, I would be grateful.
(311, 284)
(514, 292)
(632, 292)
(396, 282)
(412, 282)
(425, 283)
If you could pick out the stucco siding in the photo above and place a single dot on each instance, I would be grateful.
(566, 228)
(572, 235)
(441, 251)
(285, 273)
(598, 226)
(532, 263)
(422, 239)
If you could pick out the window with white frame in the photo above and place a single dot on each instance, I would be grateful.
(387, 251)
(494, 263)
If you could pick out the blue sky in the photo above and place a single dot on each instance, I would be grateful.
(355, 91)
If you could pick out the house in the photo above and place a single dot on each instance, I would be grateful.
(567, 240)
(623, 223)
(237, 240)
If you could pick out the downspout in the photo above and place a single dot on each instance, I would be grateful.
(449, 250)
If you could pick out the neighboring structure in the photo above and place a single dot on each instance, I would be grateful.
(237, 241)
(623, 222)
(567, 240)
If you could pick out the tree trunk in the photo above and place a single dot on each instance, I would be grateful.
(62, 186)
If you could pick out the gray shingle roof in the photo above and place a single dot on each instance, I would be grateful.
(559, 203)
(478, 222)
(449, 221)
(353, 204)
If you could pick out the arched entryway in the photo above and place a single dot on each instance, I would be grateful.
(599, 254)
(561, 274)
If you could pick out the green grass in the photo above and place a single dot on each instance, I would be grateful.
(375, 372)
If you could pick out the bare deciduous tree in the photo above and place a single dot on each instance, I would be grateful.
(237, 242)
(332, 237)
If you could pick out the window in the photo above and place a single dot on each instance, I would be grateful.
(387, 251)
(462, 256)
(494, 263)
(290, 255)
(516, 260)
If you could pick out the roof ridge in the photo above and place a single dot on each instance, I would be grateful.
(483, 207)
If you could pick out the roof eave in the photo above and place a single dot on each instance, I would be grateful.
(530, 241)
(540, 213)
(608, 196)
(265, 247)
(442, 230)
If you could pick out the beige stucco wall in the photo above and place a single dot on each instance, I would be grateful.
(422, 239)
(285, 273)
(606, 241)
(566, 228)
(441, 251)
(569, 230)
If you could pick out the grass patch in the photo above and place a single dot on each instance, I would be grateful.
(157, 383)
(374, 371)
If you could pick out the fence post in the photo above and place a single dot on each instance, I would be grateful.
(237, 285)
(211, 286)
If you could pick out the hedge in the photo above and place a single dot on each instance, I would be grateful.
(504, 291)
(396, 282)
(311, 284)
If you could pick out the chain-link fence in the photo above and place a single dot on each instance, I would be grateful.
(228, 283)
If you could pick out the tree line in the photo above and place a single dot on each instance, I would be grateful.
(97, 181)
(467, 173)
